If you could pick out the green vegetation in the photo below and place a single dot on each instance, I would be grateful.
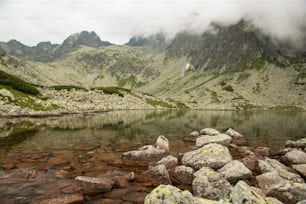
(256, 89)
(68, 87)
(113, 90)
(228, 88)
(156, 102)
(243, 76)
(17, 84)
(130, 81)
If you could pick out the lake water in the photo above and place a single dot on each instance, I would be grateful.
(40, 157)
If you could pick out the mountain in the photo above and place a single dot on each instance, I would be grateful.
(48, 52)
(157, 41)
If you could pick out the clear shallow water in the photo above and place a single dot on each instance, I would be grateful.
(40, 157)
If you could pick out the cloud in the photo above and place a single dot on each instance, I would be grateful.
(33, 21)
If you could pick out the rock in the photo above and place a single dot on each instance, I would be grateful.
(162, 143)
(271, 200)
(7, 93)
(55, 161)
(263, 151)
(301, 202)
(94, 185)
(222, 139)
(237, 138)
(156, 175)
(169, 162)
(194, 134)
(211, 155)
(65, 199)
(242, 193)
(210, 184)
(270, 180)
(171, 194)
(295, 157)
(251, 162)
(130, 176)
(183, 174)
(209, 131)
(270, 165)
(233, 133)
(235, 171)
(143, 156)
(301, 143)
(301, 168)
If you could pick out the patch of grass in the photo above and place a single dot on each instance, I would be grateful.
(156, 103)
(17, 84)
(130, 81)
(287, 108)
(228, 88)
(113, 90)
(68, 87)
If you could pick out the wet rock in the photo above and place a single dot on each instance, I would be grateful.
(270, 165)
(209, 131)
(65, 199)
(194, 134)
(171, 194)
(162, 143)
(143, 156)
(235, 171)
(210, 184)
(135, 197)
(301, 168)
(237, 138)
(169, 162)
(242, 193)
(94, 185)
(211, 155)
(301, 143)
(156, 175)
(222, 139)
(183, 174)
(55, 161)
(120, 181)
(295, 157)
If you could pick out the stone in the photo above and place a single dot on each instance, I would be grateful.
(268, 181)
(169, 162)
(194, 134)
(270, 165)
(301, 202)
(162, 143)
(209, 184)
(251, 162)
(209, 131)
(271, 200)
(295, 157)
(301, 168)
(211, 155)
(7, 93)
(143, 156)
(235, 171)
(156, 175)
(242, 193)
(263, 151)
(301, 143)
(171, 194)
(183, 174)
(55, 161)
(222, 139)
(94, 184)
(65, 199)
(233, 133)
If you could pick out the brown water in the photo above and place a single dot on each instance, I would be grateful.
(40, 157)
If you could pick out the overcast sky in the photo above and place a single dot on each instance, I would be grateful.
(32, 21)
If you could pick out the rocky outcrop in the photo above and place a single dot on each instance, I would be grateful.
(235, 171)
(222, 139)
(211, 155)
(93, 184)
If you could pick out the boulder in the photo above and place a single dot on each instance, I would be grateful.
(242, 193)
(94, 184)
(301, 168)
(237, 138)
(194, 134)
(143, 156)
(162, 143)
(270, 180)
(235, 171)
(209, 131)
(156, 175)
(270, 165)
(233, 133)
(169, 162)
(209, 184)
(211, 155)
(295, 157)
(301, 202)
(301, 143)
(171, 194)
(183, 174)
(222, 139)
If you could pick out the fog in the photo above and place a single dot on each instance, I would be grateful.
(33, 21)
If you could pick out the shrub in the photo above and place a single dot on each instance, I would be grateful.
(228, 88)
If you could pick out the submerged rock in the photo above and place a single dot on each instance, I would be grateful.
(143, 156)
(65, 199)
(209, 131)
(162, 143)
(295, 157)
(183, 174)
(222, 139)
(94, 185)
(210, 184)
(211, 155)
(235, 171)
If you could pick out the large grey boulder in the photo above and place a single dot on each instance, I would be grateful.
(209, 131)
(222, 139)
(235, 171)
(212, 155)
(210, 184)
(183, 174)
(301, 143)
(168, 194)
(301, 168)
(143, 156)
(242, 193)
(94, 184)
(270, 165)
(295, 157)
